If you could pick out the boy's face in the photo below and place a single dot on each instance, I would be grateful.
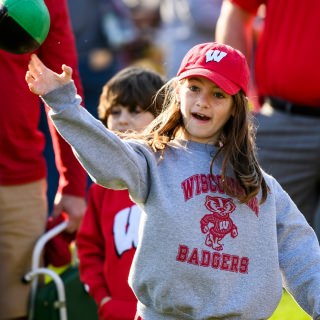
(122, 118)
(205, 109)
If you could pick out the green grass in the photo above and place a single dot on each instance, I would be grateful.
(288, 309)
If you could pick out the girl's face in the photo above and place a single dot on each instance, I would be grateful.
(122, 118)
(205, 109)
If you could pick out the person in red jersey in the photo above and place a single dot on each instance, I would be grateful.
(23, 185)
(286, 64)
(108, 236)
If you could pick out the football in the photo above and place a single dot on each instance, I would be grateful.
(24, 25)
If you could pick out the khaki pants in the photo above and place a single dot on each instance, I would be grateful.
(23, 215)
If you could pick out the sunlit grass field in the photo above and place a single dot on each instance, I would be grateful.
(289, 310)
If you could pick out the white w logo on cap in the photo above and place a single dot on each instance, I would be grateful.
(215, 55)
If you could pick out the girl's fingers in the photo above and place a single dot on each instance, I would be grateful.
(41, 79)
(36, 66)
(36, 61)
(30, 80)
(67, 72)
(31, 68)
(29, 76)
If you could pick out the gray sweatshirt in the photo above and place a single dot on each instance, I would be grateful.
(201, 253)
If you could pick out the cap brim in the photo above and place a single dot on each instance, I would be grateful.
(222, 82)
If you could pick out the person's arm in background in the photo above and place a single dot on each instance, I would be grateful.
(234, 27)
(91, 252)
(59, 48)
(91, 247)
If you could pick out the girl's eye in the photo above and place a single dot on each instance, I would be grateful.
(115, 112)
(194, 88)
(137, 110)
(219, 95)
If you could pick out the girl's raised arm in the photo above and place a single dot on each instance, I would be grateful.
(42, 80)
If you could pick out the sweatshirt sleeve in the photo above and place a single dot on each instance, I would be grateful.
(91, 249)
(109, 160)
(299, 254)
(58, 48)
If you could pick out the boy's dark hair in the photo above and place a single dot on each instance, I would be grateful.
(131, 87)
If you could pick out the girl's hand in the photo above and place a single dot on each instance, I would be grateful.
(42, 80)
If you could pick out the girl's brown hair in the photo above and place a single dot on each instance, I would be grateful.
(131, 87)
(236, 143)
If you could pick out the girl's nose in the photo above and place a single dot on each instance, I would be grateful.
(203, 100)
(124, 117)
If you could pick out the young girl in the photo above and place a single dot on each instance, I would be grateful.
(108, 236)
(217, 234)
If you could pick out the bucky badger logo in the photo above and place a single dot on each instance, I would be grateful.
(218, 224)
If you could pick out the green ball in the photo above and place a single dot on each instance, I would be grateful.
(24, 25)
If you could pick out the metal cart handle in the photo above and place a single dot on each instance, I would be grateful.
(32, 276)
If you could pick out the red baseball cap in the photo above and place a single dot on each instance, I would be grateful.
(220, 63)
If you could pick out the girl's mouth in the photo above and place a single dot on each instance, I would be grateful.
(199, 116)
